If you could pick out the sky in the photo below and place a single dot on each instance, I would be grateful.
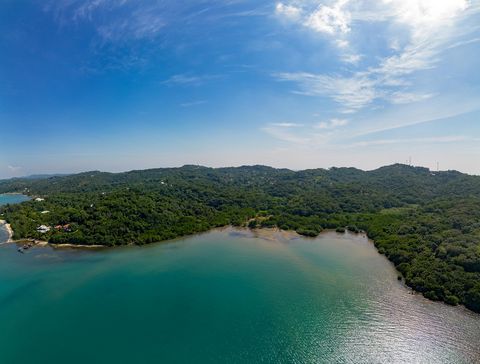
(116, 85)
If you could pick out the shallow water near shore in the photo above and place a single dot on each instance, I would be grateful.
(229, 295)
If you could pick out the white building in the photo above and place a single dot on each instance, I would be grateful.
(43, 229)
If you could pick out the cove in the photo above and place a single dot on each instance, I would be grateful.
(229, 295)
(11, 198)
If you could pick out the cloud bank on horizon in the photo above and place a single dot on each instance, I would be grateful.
(117, 85)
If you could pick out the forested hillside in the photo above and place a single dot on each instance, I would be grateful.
(427, 224)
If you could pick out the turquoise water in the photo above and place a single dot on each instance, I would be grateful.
(12, 198)
(227, 296)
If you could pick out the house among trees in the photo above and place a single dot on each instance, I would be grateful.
(43, 229)
(65, 227)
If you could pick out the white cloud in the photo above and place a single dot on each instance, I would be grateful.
(351, 58)
(14, 169)
(331, 124)
(329, 19)
(342, 43)
(290, 12)
(428, 27)
(423, 14)
(352, 93)
(287, 125)
(408, 97)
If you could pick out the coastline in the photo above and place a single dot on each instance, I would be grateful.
(41, 243)
(270, 233)
(9, 230)
(80, 246)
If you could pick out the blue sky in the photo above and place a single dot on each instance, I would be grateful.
(120, 85)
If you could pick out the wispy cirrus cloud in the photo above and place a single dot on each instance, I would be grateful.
(287, 125)
(285, 132)
(431, 27)
(424, 140)
(407, 115)
(305, 134)
(352, 93)
(400, 97)
(313, 136)
(14, 169)
(117, 21)
(142, 24)
(331, 124)
(189, 79)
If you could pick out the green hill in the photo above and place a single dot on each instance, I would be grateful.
(427, 224)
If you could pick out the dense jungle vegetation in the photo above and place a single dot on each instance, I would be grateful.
(427, 224)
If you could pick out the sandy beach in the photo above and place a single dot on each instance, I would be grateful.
(73, 246)
(43, 243)
(8, 227)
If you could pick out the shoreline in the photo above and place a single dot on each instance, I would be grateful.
(9, 230)
(43, 244)
(268, 233)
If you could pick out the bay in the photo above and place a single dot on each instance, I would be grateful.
(226, 296)
(11, 198)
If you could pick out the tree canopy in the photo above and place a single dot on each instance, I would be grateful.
(427, 224)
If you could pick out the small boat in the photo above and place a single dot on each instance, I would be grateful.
(20, 250)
